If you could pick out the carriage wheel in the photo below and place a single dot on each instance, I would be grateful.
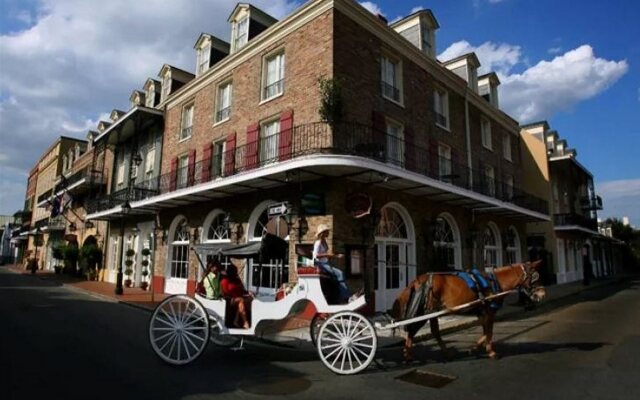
(314, 328)
(221, 339)
(347, 343)
(179, 330)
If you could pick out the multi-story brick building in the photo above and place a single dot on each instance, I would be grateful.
(572, 238)
(416, 149)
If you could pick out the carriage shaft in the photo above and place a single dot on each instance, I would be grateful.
(441, 313)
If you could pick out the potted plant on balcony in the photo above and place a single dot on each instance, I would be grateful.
(144, 284)
(70, 259)
(128, 264)
(331, 104)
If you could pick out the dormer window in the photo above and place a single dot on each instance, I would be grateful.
(419, 28)
(166, 86)
(151, 96)
(242, 33)
(204, 56)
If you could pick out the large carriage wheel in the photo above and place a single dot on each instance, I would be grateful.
(347, 343)
(314, 328)
(179, 330)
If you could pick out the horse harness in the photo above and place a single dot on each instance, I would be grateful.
(528, 280)
(418, 298)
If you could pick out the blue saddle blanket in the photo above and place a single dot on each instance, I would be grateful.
(483, 281)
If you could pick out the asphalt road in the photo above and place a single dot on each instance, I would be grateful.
(58, 343)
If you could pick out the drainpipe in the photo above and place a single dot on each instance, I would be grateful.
(468, 134)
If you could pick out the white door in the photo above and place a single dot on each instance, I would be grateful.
(392, 273)
(178, 265)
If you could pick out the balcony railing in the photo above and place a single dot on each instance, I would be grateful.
(572, 219)
(186, 132)
(321, 138)
(591, 203)
(91, 177)
(441, 119)
(223, 114)
(273, 89)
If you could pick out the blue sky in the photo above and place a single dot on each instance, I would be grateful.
(575, 64)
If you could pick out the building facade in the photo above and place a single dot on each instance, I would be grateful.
(415, 169)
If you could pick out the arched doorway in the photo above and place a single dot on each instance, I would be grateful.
(215, 230)
(492, 247)
(446, 242)
(395, 255)
(265, 278)
(177, 269)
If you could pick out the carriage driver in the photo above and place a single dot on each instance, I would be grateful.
(321, 255)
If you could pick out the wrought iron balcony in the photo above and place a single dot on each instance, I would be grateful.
(91, 178)
(573, 219)
(321, 138)
(591, 203)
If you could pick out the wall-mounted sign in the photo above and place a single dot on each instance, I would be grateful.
(358, 205)
(313, 204)
(278, 209)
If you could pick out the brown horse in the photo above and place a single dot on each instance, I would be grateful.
(446, 290)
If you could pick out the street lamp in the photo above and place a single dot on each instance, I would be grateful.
(124, 210)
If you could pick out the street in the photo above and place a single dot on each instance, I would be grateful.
(60, 343)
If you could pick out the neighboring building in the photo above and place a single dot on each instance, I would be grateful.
(6, 232)
(47, 231)
(420, 142)
(573, 239)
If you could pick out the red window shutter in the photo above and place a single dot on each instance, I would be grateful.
(207, 151)
(230, 155)
(286, 135)
(174, 174)
(409, 149)
(191, 167)
(251, 148)
(379, 133)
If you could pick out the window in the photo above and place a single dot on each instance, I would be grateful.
(217, 163)
(216, 229)
(506, 146)
(508, 187)
(273, 76)
(187, 122)
(391, 80)
(223, 102)
(269, 141)
(180, 251)
(182, 173)
(512, 246)
(491, 248)
(444, 162)
(149, 162)
(485, 133)
(395, 143)
(490, 180)
(242, 33)
(120, 173)
(446, 242)
(441, 107)
(203, 58)
(166, 86)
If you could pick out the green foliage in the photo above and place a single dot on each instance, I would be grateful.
(128, 272)
(331, 103)
(71, 253)
(145, 263)
(145, 252)
(128, 262)
(130, 253)
(145, 272)
(58, 252)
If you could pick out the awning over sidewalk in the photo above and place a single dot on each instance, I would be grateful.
(270, 247)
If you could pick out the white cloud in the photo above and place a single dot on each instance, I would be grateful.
(495, 1)
(372, 7)
(554, 50)
(416, 9)
(76, 61)
(548, 87)
(620, 198)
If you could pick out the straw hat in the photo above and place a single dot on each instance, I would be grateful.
(321, 228)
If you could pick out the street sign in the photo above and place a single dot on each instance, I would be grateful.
(278, 209)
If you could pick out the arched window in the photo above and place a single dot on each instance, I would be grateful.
(391, 224)
(214, 227)
(269, 275)
(512, 246)
(179, 249)
(491, 246)
(446, 241)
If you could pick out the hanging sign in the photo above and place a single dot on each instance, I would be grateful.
(358, 205)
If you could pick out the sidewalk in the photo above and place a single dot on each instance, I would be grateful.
(294, 331)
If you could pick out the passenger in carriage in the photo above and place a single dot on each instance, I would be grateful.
(211, 280)
(239, 298)
(321, 255)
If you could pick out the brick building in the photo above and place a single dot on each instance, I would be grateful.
(417, 149)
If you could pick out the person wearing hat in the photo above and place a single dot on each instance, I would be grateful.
(321, 255)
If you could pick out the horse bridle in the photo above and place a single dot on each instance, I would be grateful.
(528, 280)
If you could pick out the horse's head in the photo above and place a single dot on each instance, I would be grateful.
(530, 281)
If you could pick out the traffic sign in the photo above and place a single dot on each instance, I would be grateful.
(278, 209)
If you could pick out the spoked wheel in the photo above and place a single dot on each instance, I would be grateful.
(314, 328)
(347, 343)
(220, 339)
(179, 330)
